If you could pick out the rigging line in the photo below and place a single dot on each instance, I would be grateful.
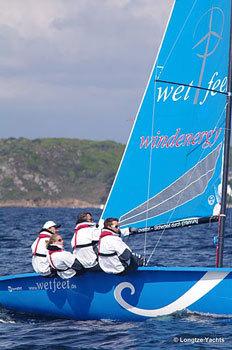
(165, 199)
(176, 194)
(170, 53)
(190, 12)
(154, 249)
(179, 34)
(219, 124)
(173, 211)
(162, 233)
(192, 86)
(170, 217)
(150, 164)
(148, 260)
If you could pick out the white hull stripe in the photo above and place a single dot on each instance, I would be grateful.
(197, 291)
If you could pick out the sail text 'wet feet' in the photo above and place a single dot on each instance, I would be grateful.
(185, 92)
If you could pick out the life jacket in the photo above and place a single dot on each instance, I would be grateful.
(50, 252)
(41, 235)
(105, 233)
(79, 227)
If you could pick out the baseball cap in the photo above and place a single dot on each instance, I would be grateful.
(49, 224)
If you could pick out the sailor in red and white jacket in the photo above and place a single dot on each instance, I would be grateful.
(39, 250)
(85, 240)
(64, 263)
(114, 255)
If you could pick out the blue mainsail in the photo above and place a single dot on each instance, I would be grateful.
(172, 166)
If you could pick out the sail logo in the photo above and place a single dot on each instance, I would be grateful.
(206, 139)
(207, 37)
(211, 200)
(208, 43)
(198, 290)
(14, 289)
(183, 92)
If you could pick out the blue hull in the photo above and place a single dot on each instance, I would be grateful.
(148, 292)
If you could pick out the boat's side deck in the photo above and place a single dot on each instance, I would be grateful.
(145, 268)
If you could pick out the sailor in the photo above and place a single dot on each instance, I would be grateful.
(85, 241)
(39, 251)
(64, 263)
(113, 254)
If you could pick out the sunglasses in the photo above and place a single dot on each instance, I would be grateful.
(114, 226)
(60, 240)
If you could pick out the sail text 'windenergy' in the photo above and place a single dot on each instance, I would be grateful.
(204, 138)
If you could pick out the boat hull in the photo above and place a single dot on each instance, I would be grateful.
(148, 292)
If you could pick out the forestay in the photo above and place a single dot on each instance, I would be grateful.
(172, 165)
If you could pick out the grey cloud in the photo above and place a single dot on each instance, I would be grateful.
(87, 62)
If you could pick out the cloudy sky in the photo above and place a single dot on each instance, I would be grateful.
(76, 68)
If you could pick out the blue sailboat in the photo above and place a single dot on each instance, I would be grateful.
(176, 166)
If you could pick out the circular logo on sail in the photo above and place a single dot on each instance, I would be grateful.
(211, 200)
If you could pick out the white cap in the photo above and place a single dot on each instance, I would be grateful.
(49, 224)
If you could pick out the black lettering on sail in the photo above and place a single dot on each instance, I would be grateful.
(189, 186)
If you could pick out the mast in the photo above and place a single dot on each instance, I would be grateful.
(220, 246)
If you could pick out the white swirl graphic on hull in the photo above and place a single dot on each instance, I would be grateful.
(210, 280)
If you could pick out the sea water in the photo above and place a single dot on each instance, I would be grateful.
(187, 247)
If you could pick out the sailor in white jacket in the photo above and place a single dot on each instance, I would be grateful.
(85, 240)
(64, 263)
(39, 250)
(114, 255)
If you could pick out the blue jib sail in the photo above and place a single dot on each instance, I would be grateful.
(172, 165)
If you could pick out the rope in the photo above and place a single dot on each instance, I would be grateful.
(158, 77)
(150, 166)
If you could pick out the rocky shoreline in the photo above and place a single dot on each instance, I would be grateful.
(61, 203)
(42, 203)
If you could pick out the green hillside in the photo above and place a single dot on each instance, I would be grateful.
(57, 168)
